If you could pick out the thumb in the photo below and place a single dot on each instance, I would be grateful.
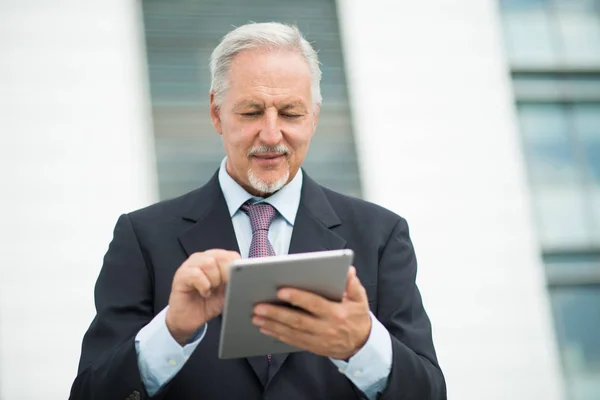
(354, 289)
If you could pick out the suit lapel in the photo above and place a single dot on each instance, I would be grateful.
(312, 232)
(213, 228)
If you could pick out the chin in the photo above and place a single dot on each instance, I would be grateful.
(268, 186)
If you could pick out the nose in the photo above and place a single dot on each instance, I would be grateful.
(270, 133)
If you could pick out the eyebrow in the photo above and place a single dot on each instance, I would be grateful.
(245, 104)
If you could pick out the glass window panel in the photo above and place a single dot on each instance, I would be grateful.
(529, 38)
(548, 150)
(595, 207)
(559, 197)
(520, 4)
(577, 318)
(579, 35)
(560, 212)
(586, 119)
(580, 5)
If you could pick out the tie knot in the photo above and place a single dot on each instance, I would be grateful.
(261, 215)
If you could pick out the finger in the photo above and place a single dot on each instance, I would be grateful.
(354, 289)
(293, 337)
(311, 302)
(220, 253)
(212, 272)
(217, 254)
(294, 319)
(207, 264)
(224, 259)
(221, 257)
(196, 279)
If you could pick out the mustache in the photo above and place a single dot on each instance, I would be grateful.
(280, 148)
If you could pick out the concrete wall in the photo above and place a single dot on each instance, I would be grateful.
(75, 152)
(438, 144)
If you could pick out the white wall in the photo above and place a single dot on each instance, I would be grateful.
(75, 152)
(438, 144)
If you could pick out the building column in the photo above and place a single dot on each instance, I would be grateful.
(76, 151)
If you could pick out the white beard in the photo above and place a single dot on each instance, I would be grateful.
(264, 187)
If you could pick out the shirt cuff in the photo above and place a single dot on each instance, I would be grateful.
(370, 368)
(160, 357)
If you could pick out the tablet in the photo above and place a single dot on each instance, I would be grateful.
(256, 280)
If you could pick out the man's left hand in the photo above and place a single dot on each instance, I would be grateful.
(327, 328)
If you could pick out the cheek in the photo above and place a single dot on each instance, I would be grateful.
(299, 138)
(240, 136)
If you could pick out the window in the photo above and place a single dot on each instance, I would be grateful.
(553, 47)
(560, 140)
(576, 315)
(552, 33)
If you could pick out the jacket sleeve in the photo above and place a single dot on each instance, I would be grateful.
(415, 372)
(108, 367)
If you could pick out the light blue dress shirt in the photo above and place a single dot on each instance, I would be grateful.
(160, 357)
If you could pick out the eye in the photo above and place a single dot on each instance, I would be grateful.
(291, 116)
(251, 114)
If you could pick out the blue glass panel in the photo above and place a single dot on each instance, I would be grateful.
(530, 38)
(559, 197)
(587, 123)
(595, 209)
(579, 36)
(550, 155)
(521, 4)
(577, 319)
(561, 212)
(579, 5)
(586, 118)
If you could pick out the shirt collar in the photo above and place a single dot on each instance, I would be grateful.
(286, 200)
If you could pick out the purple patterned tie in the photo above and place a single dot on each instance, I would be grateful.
(261, 215)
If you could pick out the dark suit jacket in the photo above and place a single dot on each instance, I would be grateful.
(150, 244)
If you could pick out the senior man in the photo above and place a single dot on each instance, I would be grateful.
(160, 291)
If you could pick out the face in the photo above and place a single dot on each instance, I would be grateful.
(267, 118)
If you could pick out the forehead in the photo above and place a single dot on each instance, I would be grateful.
(265, 75)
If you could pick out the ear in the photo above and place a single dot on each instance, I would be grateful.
(215, 114)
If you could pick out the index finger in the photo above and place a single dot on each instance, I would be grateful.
(308, 301)
(223, 259)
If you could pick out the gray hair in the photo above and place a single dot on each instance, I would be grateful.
(256, 35)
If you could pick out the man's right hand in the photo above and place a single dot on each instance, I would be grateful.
(198, 292)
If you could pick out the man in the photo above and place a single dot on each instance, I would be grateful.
(160, 292)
